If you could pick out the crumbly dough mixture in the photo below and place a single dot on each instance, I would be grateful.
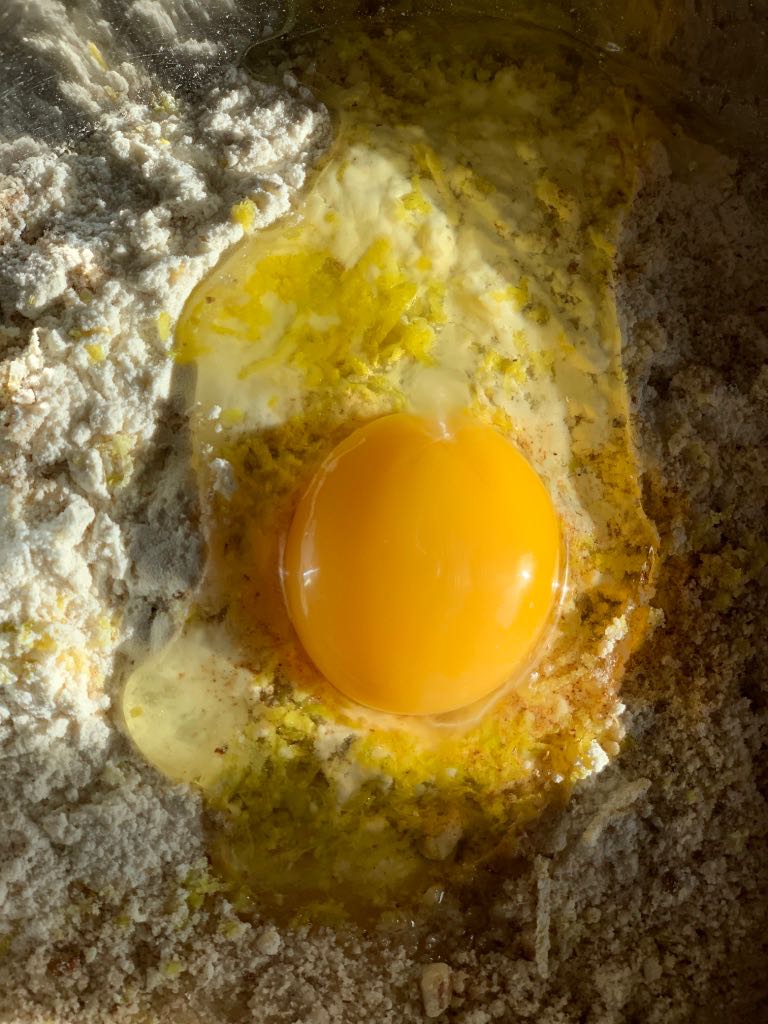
(645, 899)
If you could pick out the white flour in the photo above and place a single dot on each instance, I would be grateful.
(101, 245)
(642, 901)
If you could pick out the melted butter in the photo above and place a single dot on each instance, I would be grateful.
(455, 251)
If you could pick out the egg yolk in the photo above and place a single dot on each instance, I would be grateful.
(422, 564)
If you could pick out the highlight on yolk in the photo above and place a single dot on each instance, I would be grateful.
(423, 564)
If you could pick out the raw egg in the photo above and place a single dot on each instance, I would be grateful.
(422, 564)
(409, 405)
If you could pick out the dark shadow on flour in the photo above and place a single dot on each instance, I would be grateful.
(160, 520)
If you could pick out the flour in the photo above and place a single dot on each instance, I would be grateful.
(101, 245)
(106, 909)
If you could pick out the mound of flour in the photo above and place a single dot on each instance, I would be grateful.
(644, 899)
(102, 241)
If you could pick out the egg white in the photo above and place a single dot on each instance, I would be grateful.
(454, 252)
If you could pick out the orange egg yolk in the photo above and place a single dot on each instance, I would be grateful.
(423, 564)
